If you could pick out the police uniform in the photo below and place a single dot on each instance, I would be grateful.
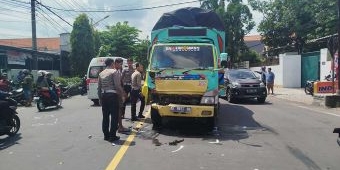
(109, 91)
(136, 85)
(126, 81)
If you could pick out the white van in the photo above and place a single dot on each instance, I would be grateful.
(96, 66)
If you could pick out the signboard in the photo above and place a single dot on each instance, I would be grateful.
(15, 57)
(335, 64)
(325, 86)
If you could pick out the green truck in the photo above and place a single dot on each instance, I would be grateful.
(182, 77)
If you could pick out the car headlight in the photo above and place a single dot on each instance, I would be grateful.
(235, 84)
(262, 85)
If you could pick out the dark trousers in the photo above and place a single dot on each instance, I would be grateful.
(110, 108)
(135, 95)
(127, 89)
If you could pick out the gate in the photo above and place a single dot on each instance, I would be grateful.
(310, 67)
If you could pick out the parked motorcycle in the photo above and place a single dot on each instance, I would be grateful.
(82, 89)
(9, 120)
(309, 87)
(45, 100)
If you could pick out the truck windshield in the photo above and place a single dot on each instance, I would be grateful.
(182, 56)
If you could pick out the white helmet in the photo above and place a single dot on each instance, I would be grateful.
(41, 73)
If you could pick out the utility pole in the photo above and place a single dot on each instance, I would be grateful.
(338, 58)
(34, 36)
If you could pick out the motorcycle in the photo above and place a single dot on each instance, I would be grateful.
(9, 120)
(82, 89)
(45, 100)
(309, 87)
(19, 96)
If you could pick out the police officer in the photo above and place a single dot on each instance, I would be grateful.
(136, 92)
(126, 80)
(109, 91)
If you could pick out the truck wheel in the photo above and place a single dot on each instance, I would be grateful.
(156, 119)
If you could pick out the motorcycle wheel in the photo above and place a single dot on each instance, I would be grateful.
(40, 105)
(15, 125)
(307, 91)
(59, 103)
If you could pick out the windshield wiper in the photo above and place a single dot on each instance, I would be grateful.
(160, 70)
(198, 68)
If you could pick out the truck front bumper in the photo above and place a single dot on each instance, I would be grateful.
(176, 110)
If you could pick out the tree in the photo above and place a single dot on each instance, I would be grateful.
(141, 52)
(288, 25)
(238, 22)
(82, 42)
(119, 40)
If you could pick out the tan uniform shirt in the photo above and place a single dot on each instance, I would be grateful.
(126, 76)
(136, 83)
(109, 79)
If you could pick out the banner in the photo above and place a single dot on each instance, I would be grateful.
(15, 57)
(335, 65)
(325, 86)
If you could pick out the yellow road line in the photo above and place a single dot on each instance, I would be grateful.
(121, 152)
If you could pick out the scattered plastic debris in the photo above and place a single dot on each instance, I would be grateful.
(217, 142)
(60, 163)
(113, 144)
(10, 153)
(90, 136)
(175, 142)
(222, 154)
(156, 142)
(181, 147)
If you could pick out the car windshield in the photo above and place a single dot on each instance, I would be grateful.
(242, 74)
(181, 56)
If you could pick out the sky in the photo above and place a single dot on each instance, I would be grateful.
(15, 15)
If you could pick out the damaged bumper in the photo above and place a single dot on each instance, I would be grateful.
(177, 110)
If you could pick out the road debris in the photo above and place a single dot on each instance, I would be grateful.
(181, 147)
(175, 142)
(113, 144)
(156, 142)
(217, 142)
(90, 136)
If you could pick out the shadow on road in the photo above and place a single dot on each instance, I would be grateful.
(9, 141)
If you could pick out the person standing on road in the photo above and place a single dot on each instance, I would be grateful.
(136, 92)
(270, 76)
(126, 79)
(27, 86)
(109, 91)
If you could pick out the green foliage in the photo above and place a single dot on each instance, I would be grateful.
(83, 47)
(251, 56)
(68, 80)
(141, 54)
(238, 22)
(119, 40)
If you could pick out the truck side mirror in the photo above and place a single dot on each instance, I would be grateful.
(223, 58)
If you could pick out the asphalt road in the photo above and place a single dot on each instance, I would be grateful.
(275, 135)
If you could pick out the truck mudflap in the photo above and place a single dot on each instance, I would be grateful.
(175, 110)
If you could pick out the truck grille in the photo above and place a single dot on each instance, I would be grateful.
(176, 99)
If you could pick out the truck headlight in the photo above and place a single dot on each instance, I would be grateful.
(210, 97)
(262, 85)
(208, 100)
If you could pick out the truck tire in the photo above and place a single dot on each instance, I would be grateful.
(156, 119)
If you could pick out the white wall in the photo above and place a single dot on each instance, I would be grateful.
(325, 63)
(288, 72)
(291, 70)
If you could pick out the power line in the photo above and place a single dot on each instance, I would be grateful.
(48, 8)
(124, 10)
(53, 23)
